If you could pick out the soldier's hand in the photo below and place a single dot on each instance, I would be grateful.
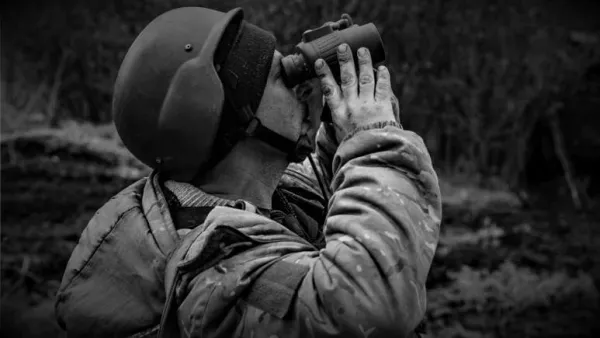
(360, 100)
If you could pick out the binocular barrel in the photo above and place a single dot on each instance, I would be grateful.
(299, 67)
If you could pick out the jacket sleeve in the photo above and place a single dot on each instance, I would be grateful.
(381, 232)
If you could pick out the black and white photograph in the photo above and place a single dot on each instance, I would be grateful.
(300, 168)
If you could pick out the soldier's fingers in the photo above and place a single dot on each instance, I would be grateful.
(329, 87)
(383, 90)
(366, 78)
(347, 71)
(395, 107)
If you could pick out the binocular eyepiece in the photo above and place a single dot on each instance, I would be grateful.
(323, 43)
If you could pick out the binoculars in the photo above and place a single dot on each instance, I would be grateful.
(322, 43)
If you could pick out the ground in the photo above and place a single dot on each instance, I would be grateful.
(503, 268)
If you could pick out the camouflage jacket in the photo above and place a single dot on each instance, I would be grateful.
(133, 266)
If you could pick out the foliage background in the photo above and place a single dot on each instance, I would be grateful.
(481, 81)
(471, 75)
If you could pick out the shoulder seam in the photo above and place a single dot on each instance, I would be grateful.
(89, 258)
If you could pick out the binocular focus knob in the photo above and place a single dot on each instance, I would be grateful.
(327, 28)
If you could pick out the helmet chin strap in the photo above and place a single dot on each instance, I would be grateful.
(296, 151)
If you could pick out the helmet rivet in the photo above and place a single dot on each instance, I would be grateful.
(188, 47)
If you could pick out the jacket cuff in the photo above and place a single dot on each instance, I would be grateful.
(375, 125)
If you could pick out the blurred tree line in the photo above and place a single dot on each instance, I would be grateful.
(481, 81)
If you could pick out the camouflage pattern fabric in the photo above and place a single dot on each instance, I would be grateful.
(366, 280)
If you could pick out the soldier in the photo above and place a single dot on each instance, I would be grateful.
(232, 235)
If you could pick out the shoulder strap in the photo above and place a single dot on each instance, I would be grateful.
(189, 217)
